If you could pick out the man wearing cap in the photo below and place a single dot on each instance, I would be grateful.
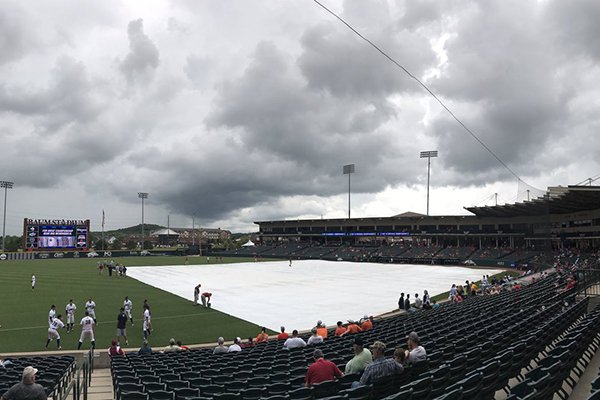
(367, 323)
(321, 329)
(235, 346)
(380, 367)
(27, 389)
(321, 370)
(416, 352)
(362, 357)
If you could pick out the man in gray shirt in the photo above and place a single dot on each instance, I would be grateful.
(27, 389)
(220, 347)
(416, 351)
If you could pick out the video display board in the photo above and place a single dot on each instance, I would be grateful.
(56, 234)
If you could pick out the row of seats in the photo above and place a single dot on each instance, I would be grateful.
(473, 347)
(54, 372)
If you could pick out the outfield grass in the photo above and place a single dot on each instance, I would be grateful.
(24, 312)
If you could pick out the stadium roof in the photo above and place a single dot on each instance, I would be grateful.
(557, 200)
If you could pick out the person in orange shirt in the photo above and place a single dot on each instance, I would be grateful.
(339, 331)
(367, 323)
(283, 335)
(321, 329)
(262, 336)
(352, 328)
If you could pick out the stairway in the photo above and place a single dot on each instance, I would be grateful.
(101, 387)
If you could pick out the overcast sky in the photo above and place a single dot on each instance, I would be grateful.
(235, 111)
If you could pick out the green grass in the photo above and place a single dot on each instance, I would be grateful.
(24, 313)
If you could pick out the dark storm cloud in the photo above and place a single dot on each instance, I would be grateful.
(143, 56)
(502, 79)
(337, 61)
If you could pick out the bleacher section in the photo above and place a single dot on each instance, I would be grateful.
(394, 252)
(54, 372)
(536, 335)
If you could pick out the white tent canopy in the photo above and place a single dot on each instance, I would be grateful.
(249, 243)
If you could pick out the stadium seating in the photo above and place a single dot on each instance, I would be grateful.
(54, 372)
(477, 346)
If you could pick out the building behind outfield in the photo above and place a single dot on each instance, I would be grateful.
(562, 217)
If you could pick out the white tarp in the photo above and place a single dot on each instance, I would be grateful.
(249, 243)
(272, 294)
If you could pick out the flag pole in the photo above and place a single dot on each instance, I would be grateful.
(102, 230)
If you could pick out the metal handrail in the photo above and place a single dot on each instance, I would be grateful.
(83, 379)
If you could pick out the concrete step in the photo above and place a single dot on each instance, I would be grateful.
(101, 387)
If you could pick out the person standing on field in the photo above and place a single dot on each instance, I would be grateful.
(90, 307)
(122, 326)
(147, 325)
(32, 281)
(70, 309)
(55, 325)
(128, 306)
(87, 330)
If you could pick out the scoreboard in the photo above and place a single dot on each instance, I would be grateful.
(56, 234)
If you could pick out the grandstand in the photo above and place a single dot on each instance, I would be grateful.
(528, 342)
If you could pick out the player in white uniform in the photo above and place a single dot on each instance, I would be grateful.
(90, 307)
(87, 330)
(32, 281)
(147, 323)
(70, 309)
(51, 314)
(128, 306)
(55, 325)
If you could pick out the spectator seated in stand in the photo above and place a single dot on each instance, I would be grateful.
(182, 347)
(172, 347)
(262, 336)
(352, 328)
(362, 357)
(115, 349)
(235, 346)
(294, 341)
(367, 323)
(145, 349)
(380, 367)
(249, 343)
(321, 370)
(283, 335)
(416, 352)
(339, 331)
(314, 338)
(220, 348)
(400, 355)
(321, 329)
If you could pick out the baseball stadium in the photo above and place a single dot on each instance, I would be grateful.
(527, 322)
(245, 120)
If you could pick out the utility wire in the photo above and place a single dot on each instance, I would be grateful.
(383, 53)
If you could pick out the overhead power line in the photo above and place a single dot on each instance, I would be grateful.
(397, 64)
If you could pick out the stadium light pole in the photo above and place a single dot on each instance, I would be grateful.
(428, 155)
(6, 185)
(142, 196)
(348, 170)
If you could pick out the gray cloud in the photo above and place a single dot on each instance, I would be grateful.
(143, 56)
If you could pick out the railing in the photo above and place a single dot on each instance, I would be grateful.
(83, 379)
(588, 281)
